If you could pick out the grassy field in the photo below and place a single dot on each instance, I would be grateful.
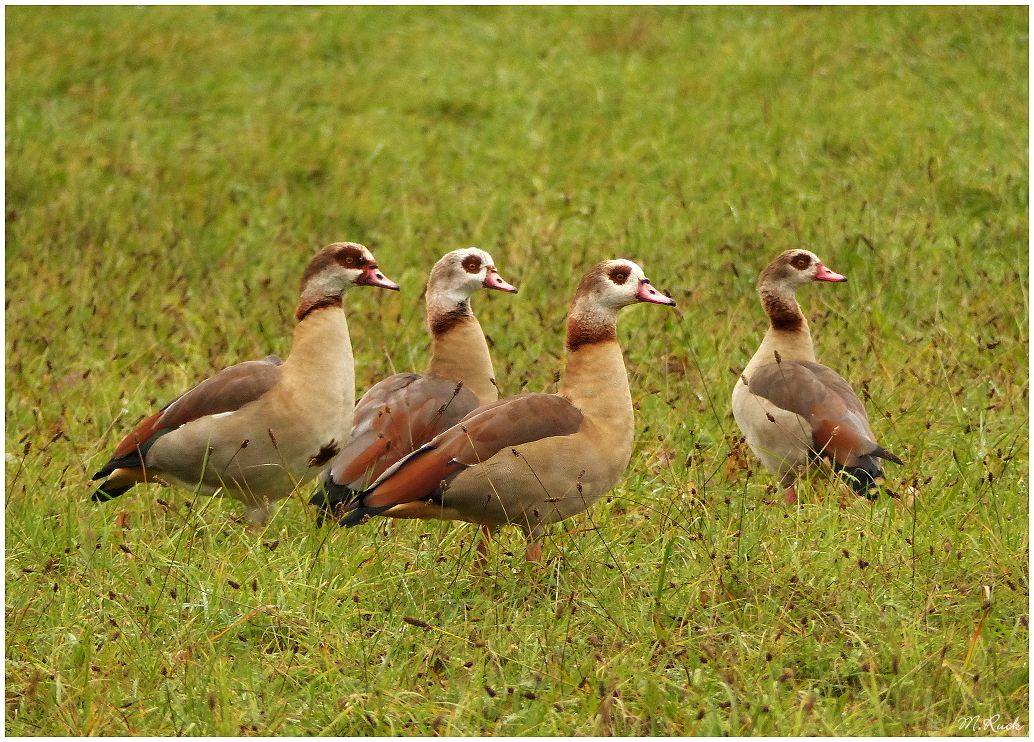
(171, 170)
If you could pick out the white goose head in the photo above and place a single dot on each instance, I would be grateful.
(618, 283)
(605, 289)
(459, 274)
(333, 270)
(795, 268)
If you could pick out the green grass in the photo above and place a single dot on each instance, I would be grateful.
(169, 172)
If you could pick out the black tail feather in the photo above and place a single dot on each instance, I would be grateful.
(132, 460)
(362, 514)
(885, 454)
(867, 478)
(103, 494)
(863, 481)
(106, 491)
(332, 500)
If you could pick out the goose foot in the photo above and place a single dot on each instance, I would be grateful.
(481, 550)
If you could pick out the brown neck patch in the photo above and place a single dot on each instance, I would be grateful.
(305, 308)
(581, 332)
(443, 322)
(784, 315)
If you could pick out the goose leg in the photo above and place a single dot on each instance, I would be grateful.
(258, 515)
(481, 550)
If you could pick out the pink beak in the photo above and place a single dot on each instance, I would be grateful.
(494, 281)
(372, 276)
(648, 293)
(822, 273)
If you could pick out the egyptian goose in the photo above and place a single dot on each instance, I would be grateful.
(258, 429)
(405, 411)
(532, 459)
(792, 410)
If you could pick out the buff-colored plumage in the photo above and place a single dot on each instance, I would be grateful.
(258, 429)
(570, 449)
(791, 410)
(403, 412)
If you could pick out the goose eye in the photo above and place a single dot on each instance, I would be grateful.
(620, 275)
(801, 262)
(472, 265)
(349, 257)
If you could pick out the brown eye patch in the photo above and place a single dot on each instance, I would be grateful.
(351, 257)
(620, 275)
(472, 264)
(801, 262)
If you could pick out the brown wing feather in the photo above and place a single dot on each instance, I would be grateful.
(840, 427)
(836, 383)
(361, 456)
(841, 442)
(482, 434)
(393, 419)
(140, 435)
(227, 391)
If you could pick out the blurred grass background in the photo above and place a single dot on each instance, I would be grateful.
(169, 172)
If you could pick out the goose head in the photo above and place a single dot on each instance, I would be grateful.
(333, 270)
(460, 273)
(795, 268)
